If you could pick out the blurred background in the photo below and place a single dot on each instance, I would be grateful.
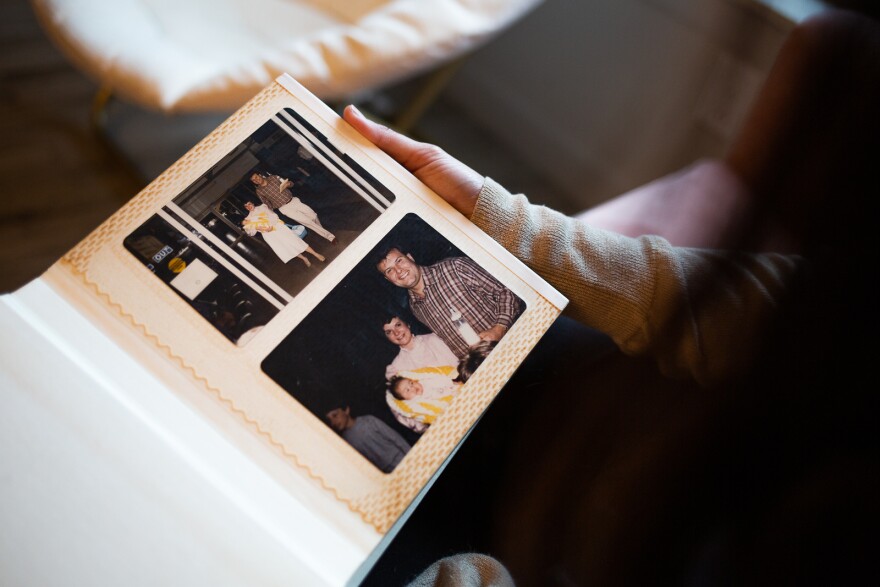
(575, 103)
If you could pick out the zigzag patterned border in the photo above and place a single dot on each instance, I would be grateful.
(166, 350)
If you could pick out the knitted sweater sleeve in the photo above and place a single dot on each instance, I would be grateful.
(698, 312)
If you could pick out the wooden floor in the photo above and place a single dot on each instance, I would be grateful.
(58, 182)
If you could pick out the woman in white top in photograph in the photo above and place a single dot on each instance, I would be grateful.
(417, 351)
(277, 235)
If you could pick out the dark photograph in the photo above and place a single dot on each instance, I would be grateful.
(220, 292)
(266, 219)
(388, 350)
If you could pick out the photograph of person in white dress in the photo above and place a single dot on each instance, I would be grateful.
(278, 236)
(274, 192)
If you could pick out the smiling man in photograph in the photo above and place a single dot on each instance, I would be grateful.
(438, 293)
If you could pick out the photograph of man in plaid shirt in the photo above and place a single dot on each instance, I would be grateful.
(438, 293)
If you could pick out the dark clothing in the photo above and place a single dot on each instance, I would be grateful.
(374, 439)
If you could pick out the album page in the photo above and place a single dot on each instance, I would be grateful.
(327, 314)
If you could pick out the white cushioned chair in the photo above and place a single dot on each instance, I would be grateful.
(213, 55)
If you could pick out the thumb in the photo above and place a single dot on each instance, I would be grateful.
(403, 149)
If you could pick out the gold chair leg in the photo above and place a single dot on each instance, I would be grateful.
(98, 112)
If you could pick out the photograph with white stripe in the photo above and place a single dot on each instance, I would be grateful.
(269, 216)
(218, 289)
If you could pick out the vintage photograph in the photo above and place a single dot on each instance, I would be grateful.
(219, 291)
(388, 350)
(269, 216)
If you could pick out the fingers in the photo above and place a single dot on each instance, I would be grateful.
(399, 147)
(451, 179)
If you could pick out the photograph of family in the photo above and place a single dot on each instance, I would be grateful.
(383, 356)
(269, 216)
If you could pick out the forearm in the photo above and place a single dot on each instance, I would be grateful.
(697, 311)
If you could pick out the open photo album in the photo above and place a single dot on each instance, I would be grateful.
(292, 322)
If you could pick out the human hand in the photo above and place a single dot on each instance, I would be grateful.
(494, 334)
(451, 179)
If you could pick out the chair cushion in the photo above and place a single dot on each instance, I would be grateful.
(201, 55)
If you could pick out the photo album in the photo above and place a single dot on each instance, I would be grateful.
(281, 338)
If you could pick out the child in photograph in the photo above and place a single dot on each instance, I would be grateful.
(370, 436)
(474, 359)
(277, 235)
(417, 397)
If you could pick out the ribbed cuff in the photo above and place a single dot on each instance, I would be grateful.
(493, 208)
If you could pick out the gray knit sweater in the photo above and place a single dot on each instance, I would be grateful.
(699, 312)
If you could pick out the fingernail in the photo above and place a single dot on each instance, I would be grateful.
(355, 110)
